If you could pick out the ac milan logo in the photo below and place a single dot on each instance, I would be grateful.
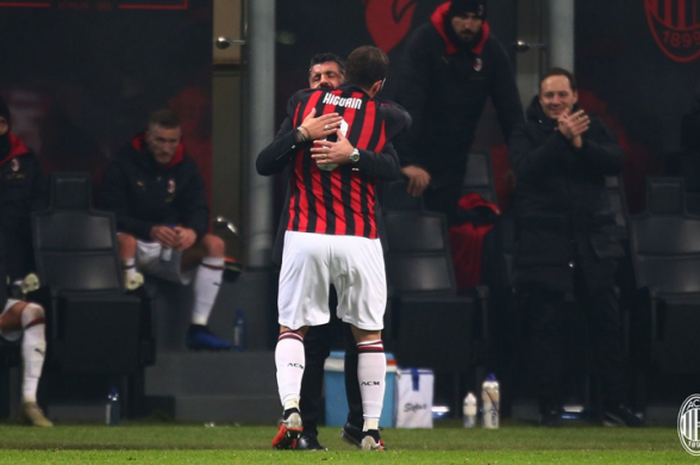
(14, 164)
(688, 424)
(171, 186)
(478, 64)
(675, 24)
(480, 10)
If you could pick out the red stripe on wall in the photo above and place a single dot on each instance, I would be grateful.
(136, 6)
(25, 5)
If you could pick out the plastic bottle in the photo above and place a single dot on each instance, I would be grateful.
(112, 408)
(239, 332)
(491, 402)
(469, 411)
(166, 253)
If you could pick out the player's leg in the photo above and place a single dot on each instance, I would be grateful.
(290, 363)
(360, 280)
(127, 253)
(302, 301)
(208, 257)
(371, 374)
(27, 319)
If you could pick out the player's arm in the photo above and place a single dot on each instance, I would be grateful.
(273, 158)
(414, 91)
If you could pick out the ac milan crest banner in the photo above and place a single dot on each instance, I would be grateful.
(82, 77)
(638, 65)
(675, 26)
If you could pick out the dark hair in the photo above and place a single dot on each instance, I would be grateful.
(325, 58)
(560, 72)
(165, 118)
(367, 65)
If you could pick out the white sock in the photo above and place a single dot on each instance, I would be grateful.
(290, 361)
(33, 350)
(206, 288)
(129, 267)
(371, 373)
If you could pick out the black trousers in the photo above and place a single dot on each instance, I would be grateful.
(547, 316)
(444, 200)
(317, 347)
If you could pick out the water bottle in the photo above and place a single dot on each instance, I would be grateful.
(239, 332)
(491, 402)
(469, 411)
(112, 408)
(166, 253)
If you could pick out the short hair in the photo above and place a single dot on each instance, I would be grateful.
(165, 118)
(560, 72)
(325, 58)
(367, 65)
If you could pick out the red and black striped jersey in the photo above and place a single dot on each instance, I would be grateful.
(341, 201)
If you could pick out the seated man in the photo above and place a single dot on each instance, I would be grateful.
(160, 201)
(26, 319)
(22, 187)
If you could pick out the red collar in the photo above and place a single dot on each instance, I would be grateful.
(139, 143)
(438, 20)
(17, 148)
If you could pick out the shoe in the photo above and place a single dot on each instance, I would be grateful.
(200, 338)
(371, 441)
(133, 282)
(620, 415)
(354, 435)
(550, 417)
(32, 415)
(308, 442)
(289, 431)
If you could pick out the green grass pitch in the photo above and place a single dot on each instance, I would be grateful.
(139, 443)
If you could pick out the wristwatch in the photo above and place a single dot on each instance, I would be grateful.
(355, 156)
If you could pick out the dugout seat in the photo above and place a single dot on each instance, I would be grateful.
(93, 325)
(433, 326)
(665, 244)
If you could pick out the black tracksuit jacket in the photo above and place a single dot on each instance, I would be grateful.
(143, 194)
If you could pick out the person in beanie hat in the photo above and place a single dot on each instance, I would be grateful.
(459, 7)
(452, 65)
(22, 189)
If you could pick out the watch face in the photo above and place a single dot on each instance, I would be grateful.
(355, 156)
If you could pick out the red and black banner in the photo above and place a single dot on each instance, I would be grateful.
(638, 65)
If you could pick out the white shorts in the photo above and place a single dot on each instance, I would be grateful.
(353, 265)
(148, 262)
(10, 335)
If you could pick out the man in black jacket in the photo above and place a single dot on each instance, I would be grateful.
(565, 239)
(22, 190)
(452, 65)
(159, 198)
